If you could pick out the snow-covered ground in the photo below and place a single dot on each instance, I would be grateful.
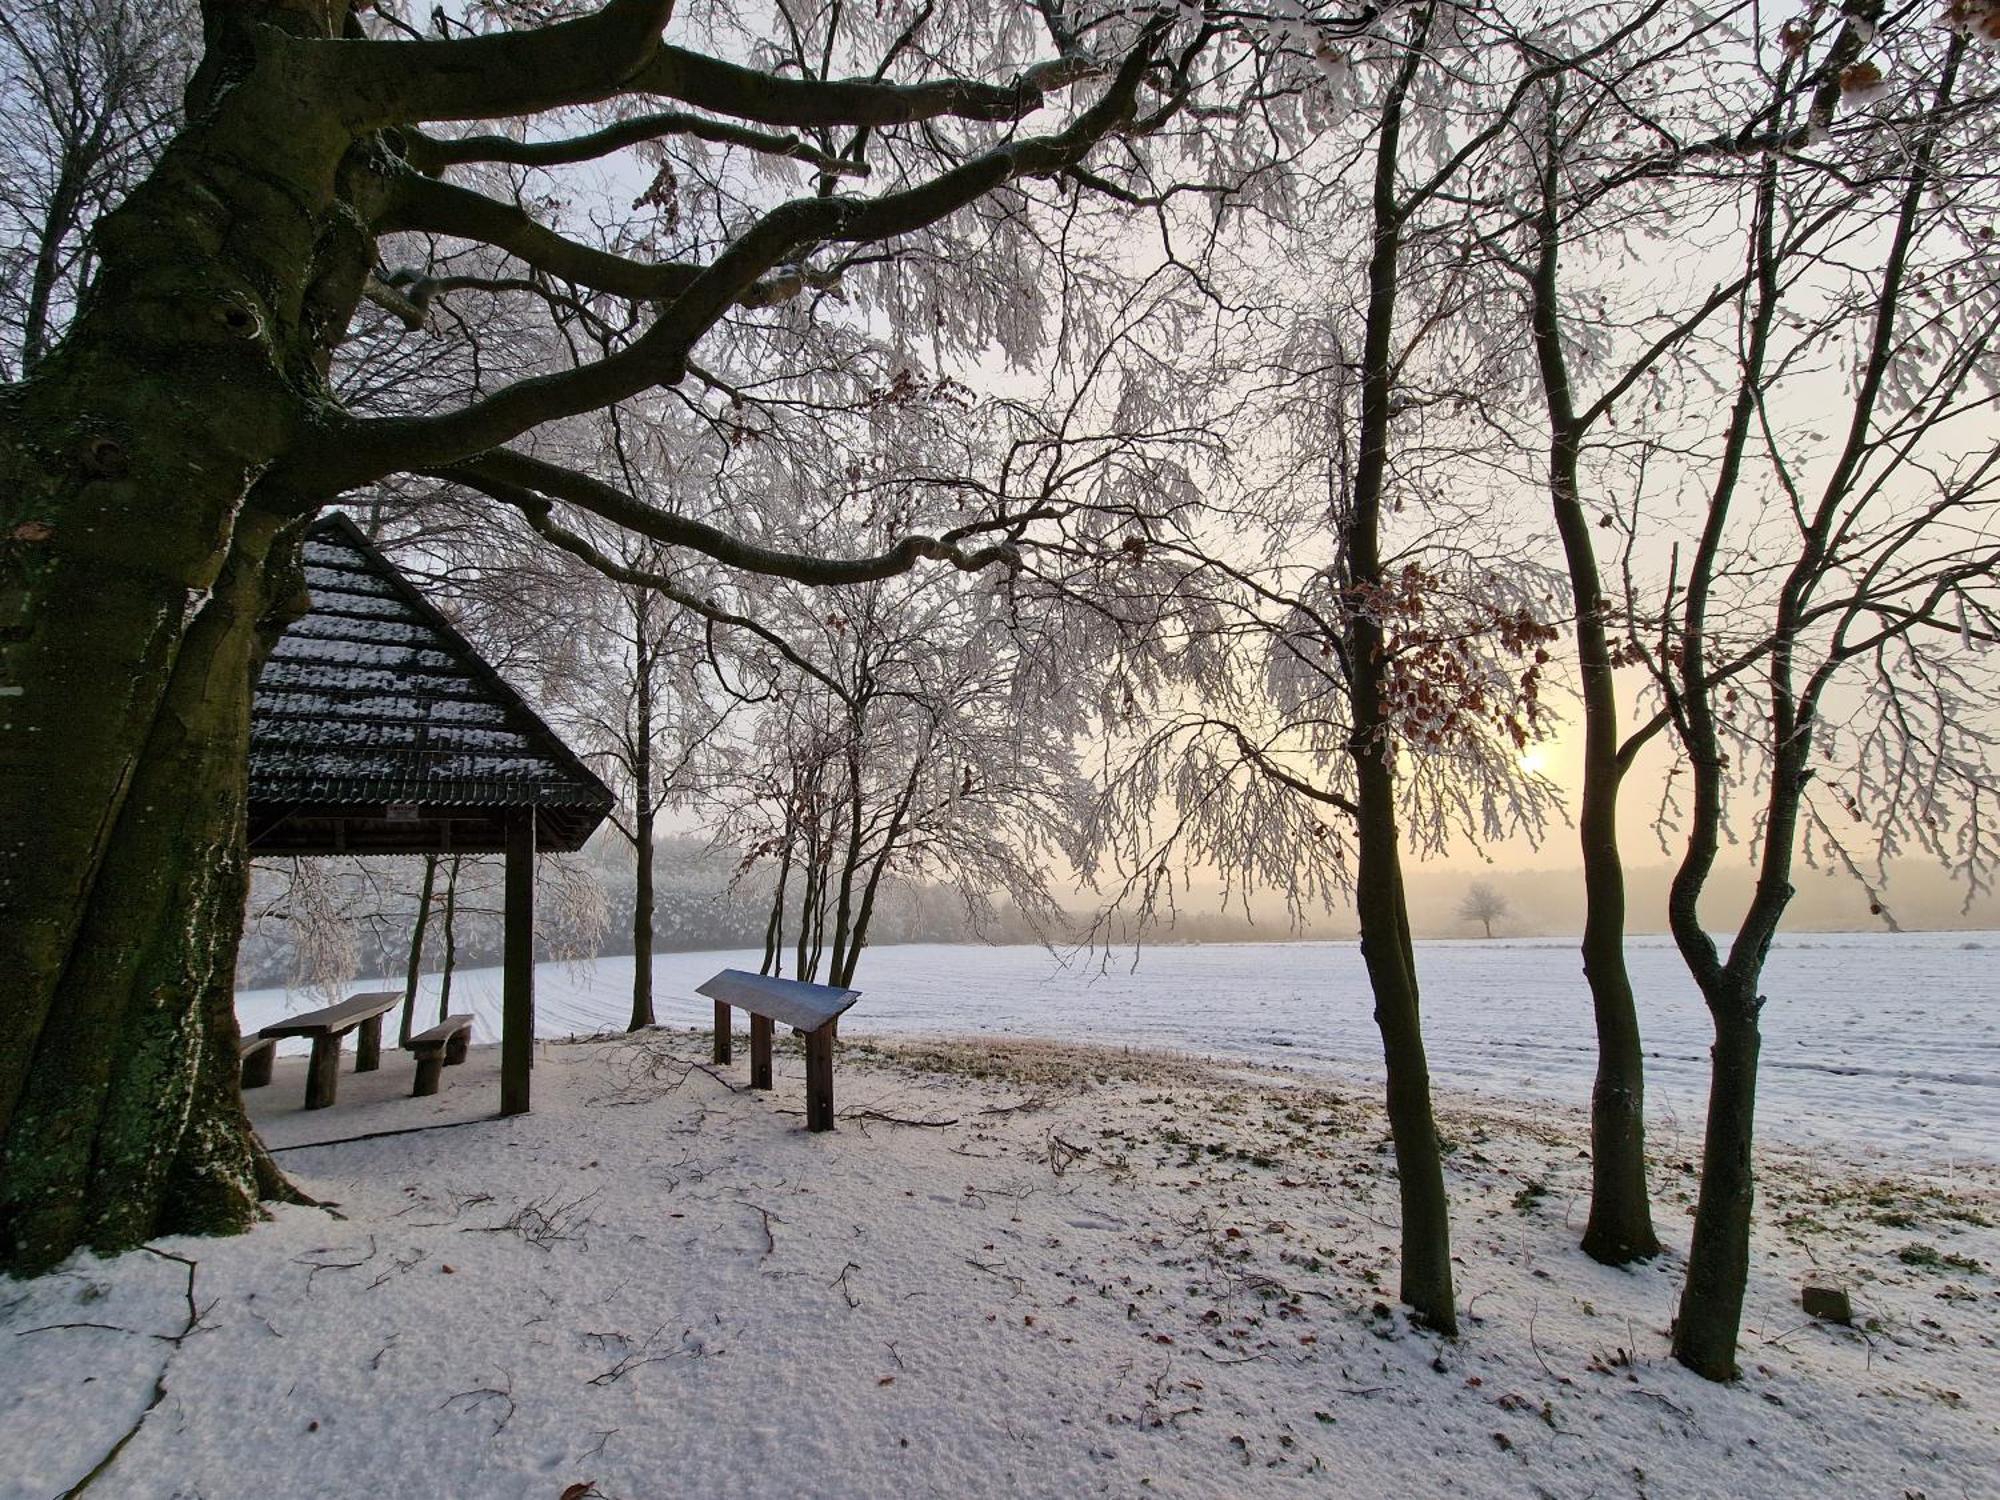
(1017, 1269)
(1873, 1043)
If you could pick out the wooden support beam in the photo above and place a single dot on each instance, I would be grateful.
(368, 1045)
(517, 986)
(760, 1051)
(258, 1053)
(323, 1072)
(721, 1052)
(819, 1078)
(430, 1072)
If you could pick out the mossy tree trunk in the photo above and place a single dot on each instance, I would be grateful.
(144, 578)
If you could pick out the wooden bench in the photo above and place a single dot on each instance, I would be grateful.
(441, 1047)
(257, 1054)
(809, 1009)
(327, 1028)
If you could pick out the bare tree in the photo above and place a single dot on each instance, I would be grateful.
(1820, 640)
(89, 94)
(1484, 905)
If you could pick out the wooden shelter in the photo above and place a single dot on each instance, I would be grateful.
(377, 729)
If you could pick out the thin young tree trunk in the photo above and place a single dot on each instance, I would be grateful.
(844, 976)
(1620, 1228)
(1379, 899)
(1711, 1308)
(642, 839)
(850, 863)
(642, 923)
(450, 922)
(774, 929)
(414, 970)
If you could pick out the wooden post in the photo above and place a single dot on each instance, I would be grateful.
(721, 1031)
(819, 1078)
(430, 1070)
(323, 1072)
(257, 1061)
(517, 985)
(760, 1051)
(368, 1045)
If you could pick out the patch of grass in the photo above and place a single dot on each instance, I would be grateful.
(1532, 1192)
(1930, 1258)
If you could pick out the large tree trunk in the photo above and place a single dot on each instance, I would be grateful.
(122, 1117)
(141, 582)
(1719, 1258)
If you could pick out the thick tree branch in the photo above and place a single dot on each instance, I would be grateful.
(424, 204)
(540, 514)
(349, 454)
(509, 73)
(748, 94)
(432, 155)
(539, 478)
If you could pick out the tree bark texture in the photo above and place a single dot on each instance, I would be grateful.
(1711, 1306)
(141, 584)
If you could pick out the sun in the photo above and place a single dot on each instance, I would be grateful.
(1534, 761)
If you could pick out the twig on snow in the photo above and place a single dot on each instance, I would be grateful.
(159, 1381)
(481, 1395)
(845, 1290)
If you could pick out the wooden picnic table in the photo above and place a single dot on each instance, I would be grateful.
(327, 1028)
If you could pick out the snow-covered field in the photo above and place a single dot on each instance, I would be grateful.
(1873, 1043)
(1016, 1270)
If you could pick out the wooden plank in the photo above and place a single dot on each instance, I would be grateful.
(323, 1072)
(791, 1001)
(819, 1078)
(760, 1050)
(719, 1051)
(336, 1019)
(517, 993)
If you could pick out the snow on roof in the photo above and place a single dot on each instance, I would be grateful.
(372, 697)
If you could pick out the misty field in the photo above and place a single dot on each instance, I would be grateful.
(1872, 1042)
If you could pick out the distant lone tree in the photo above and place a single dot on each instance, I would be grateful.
(1484, 905)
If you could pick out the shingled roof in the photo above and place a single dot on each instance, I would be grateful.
(378, 729)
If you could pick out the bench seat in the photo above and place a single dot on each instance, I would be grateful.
(444, 1045)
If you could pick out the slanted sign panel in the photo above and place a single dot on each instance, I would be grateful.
(792, 1002)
